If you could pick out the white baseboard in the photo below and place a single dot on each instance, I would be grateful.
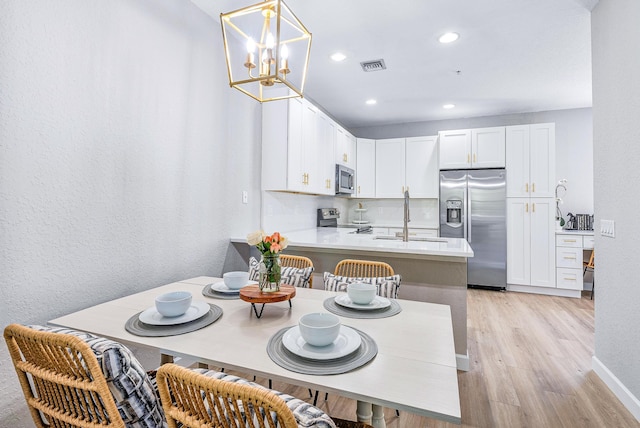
(561, 292)
(629, 401)
(462, 362)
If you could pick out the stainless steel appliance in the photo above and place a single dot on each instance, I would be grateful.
(473, 206)
(345, 180)
(328, 217)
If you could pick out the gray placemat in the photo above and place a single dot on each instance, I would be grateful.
(207, 291)
(137, 327)
(331, 305)
(290, 361)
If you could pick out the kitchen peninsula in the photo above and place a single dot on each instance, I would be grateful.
(432, 269)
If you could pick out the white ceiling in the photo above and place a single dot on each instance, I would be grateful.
(513, 56)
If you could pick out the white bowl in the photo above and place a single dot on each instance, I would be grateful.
(236, 280)
(173, 304)
(361, 293)
(319, 328)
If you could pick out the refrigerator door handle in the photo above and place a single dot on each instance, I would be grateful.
(465, 212)
(469, 208)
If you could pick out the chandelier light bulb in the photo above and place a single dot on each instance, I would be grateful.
(284, 52)
(251, 46)
(269, 42)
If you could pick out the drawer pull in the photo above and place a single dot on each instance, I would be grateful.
(569, 258)
(569, 240)
(569, 279)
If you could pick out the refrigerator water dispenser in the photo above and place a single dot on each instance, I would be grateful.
(454, 211)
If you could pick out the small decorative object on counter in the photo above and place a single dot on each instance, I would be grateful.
(269, 269)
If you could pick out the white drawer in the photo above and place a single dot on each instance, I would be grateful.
(569, 257)
(569, 240)
(587, 242)
(569, 278)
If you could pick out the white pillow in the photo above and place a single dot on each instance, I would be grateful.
(387, 285)
(298, 277)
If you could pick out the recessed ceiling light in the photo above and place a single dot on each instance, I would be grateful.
(448, 106)
(448, 37)
(338, 56)
(371, 102)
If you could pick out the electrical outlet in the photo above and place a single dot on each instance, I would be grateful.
(608, 228)
(245, 197)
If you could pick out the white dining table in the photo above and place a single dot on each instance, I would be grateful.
(413, 371)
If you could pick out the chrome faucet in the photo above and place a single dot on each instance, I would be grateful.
(405, 227)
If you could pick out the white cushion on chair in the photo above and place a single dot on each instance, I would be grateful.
(307, 415)
(387, 286)
(298, 277)
(132, 390)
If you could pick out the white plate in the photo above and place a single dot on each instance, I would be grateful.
(195, 311)
(347, 342)
(378, 302)
(220, 287)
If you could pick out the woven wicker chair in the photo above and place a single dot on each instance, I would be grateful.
(195, 400)
(299, 262)
(363, 268)
(61, 379)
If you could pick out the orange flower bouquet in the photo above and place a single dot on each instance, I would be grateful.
(270, 247)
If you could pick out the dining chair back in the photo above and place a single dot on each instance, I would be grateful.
(61, 379)
(591, 265)
(363, 268)
(192, 399)
(299, 262)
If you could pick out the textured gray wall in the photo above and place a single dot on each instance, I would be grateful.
(616, 125)
(123, 154)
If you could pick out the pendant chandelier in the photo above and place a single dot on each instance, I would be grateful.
(267, 51)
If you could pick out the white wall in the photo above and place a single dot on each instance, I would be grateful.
(616, 109)
(123, 154)
(574, 145)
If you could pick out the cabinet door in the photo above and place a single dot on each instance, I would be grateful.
(345, 148)
(296, 177)
(543, 269)
(311, 154)
(421, 175)
(518, 241)
(488, 147)
(326, 136)
(390, 168)
(365, 168)
(351, 151)
(542, 163)
(517, 160)
(455, 149)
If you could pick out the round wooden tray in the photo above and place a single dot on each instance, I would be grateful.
(253, 295)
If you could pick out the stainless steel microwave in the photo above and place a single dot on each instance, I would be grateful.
(345, 180)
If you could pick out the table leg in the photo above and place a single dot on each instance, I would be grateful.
(363, 412)
(253, 305)
(378, 417)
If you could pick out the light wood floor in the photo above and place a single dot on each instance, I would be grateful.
(530, 367)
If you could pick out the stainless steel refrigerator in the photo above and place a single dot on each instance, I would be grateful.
(473, 206)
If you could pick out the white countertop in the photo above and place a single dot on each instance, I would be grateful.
(342, 238)
(393, 225)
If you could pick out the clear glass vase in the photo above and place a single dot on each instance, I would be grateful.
(270, 272)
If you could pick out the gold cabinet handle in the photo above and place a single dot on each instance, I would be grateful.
(526, 207)
(569, 258)
(402, 189)
(569, 279)
(345, 157)
(468, 158)
(533, 207)
(569, 240)
(533, 187)
(474, 158)
(526, 187)
(304, 178)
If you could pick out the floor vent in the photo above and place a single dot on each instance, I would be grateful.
(375, 65)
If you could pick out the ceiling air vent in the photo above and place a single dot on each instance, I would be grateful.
(375, 65)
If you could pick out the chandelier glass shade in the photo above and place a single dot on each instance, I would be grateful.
(267, 51)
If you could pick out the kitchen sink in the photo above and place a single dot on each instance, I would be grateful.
(411, 238)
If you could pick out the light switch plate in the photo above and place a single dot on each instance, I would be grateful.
(608, 228)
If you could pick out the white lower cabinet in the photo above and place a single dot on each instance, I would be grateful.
(569, 256)
(531, 242)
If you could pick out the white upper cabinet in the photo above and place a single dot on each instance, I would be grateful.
(390, 168)
(345, 148)
(410, 163)
(530, 154)
(326, 132)
(296, 132)
(421, 167)
(365, 168)
(472, 148)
